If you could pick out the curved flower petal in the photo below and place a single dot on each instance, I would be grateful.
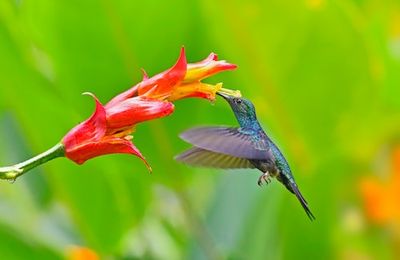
(90, 130)
(206, 68)
(165, 81)
(132, 92)
(86, 151)
(136, 110)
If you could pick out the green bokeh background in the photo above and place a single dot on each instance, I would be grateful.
(325, 79)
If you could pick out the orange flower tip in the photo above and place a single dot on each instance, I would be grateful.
(222, 63)
(211, 57)
(229, 66)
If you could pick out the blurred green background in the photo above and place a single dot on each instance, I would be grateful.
(325, 79)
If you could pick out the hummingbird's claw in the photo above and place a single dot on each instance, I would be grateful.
(264, 177)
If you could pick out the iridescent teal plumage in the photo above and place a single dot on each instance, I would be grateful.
(247, 146)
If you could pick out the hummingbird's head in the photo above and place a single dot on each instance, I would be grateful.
(243, 108)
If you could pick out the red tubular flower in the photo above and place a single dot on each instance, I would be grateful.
(110, 127)
(95, 136)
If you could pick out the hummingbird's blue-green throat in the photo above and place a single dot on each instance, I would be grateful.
(244, 111)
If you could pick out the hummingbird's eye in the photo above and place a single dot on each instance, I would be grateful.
(238, 101)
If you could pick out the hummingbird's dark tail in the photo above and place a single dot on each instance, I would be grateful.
(293, 188)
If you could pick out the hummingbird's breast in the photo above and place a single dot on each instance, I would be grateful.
(266, 166)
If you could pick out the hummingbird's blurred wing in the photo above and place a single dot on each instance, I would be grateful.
(229, 140)
(204, 158)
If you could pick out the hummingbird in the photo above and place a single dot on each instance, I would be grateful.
(246, 146)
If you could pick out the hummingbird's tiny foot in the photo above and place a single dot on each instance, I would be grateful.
(264, 177)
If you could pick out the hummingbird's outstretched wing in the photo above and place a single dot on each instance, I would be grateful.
(204, 158)
(229, 140)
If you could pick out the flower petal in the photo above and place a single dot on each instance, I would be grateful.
(132, 92)
(206, 68)
(166, 80)
(136, 110)
(92, 129)
(86, 151)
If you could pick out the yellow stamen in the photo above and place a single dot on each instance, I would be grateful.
(128, 137)
(124, 133)
(230, 92)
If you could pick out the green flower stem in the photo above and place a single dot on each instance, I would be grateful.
(14, 171)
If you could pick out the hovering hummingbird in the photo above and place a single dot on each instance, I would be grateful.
(247, 146)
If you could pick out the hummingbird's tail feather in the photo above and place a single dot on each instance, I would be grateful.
(302, 200)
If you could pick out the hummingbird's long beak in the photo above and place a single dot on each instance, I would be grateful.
(225, 96)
